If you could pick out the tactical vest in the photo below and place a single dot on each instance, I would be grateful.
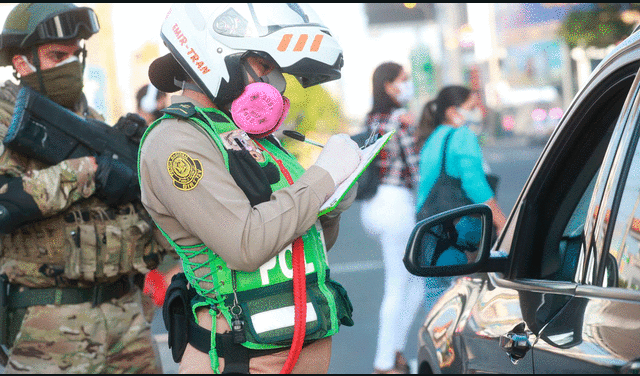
(86, 244)
(264, 297)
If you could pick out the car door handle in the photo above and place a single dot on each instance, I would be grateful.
(631, 367)
(516, 343)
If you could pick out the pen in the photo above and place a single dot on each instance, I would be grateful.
(300, 137)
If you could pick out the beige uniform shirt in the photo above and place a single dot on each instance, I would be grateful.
(216, 211)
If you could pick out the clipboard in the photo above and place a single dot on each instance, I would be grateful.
(368, 154)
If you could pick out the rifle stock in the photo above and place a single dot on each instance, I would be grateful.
(43, 130)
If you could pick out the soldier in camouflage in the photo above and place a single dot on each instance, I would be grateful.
(75, 240)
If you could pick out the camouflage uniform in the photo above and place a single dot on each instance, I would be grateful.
(80, 242)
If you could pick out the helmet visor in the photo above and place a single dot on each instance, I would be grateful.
(75, 23)
(260, 19)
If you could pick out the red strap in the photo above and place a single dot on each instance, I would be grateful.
(299, 288)
(284, 170)
(300, 304)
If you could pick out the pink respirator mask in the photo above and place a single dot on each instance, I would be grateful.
(260, 109)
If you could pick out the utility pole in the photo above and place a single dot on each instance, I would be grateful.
(448, 17)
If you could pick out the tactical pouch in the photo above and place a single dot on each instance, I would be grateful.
(343, 304)
(269, 314)
(176, 313)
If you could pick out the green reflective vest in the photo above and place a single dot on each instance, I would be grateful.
(265, 295)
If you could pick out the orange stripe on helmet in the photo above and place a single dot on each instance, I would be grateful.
(301, 42)
(316, 43)
(284, 43)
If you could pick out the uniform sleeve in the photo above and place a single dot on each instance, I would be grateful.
(466, 151)
(215, 211)
(29, 184)
(55, 188)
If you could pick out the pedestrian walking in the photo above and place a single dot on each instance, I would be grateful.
(389, 214)
(451, 164)
(75, 239)
(238, 207)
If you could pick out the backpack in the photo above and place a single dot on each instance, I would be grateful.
(369, 181)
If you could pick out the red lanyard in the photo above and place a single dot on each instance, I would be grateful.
(299, 287)
(284, 170)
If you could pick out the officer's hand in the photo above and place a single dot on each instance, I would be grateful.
(340, 157)
(346, 202)
(132, 125)
(116, 183)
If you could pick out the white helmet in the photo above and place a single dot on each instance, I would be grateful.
(209, 41)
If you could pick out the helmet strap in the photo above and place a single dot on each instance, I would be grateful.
(83, 52)
(247, 67)
(36, 63)
(187, 85)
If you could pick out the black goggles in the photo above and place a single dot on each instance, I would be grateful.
(75, 23)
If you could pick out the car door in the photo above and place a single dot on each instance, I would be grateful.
(550, 234)
(599, 329)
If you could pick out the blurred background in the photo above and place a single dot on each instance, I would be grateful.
(527, 60)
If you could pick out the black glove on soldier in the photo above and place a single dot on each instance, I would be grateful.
(116, 183)
(133, 125)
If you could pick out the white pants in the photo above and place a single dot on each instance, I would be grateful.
(389, 215)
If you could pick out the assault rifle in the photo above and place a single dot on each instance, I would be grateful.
(43, 130)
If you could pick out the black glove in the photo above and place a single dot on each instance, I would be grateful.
(132, 125)
(116, 183)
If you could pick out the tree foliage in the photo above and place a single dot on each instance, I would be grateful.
(600, 27)
(314, 113)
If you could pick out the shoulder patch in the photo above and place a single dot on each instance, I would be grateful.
(182, 110)
(185, 171)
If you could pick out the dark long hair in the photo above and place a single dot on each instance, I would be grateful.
(433, 111)
(382, 102)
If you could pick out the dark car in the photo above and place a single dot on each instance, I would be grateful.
(559, 290)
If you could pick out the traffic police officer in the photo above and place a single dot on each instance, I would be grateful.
(74, 236)
(240, 210)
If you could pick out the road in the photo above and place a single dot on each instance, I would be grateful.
(356, 263)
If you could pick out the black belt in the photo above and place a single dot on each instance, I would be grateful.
(200, 339)
(236, 357)
(21, 297)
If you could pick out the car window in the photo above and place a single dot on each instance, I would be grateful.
(552, 228)
(572, 240)
(623, 261)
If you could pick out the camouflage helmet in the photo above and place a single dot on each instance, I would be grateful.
(31, 24)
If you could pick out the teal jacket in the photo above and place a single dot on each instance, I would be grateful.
(464, 161)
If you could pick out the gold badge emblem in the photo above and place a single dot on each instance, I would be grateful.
(185, 171)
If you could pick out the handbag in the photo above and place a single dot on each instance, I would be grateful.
(446, 193)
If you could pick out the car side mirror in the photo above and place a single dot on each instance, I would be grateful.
(455, 242)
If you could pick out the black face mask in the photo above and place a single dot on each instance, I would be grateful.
(62, 84)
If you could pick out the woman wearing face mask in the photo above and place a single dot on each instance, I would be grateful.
(389, 213)
(443, 133)
(444, 124)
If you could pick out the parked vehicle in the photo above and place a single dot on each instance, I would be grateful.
(559, 290)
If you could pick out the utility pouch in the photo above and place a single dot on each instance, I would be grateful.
(343, 304)
(269, 314)
(80, 261)
(111, 250)
(176, 312)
